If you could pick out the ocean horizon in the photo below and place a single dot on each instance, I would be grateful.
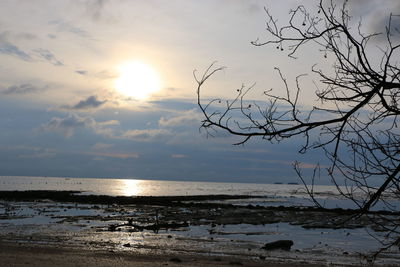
(277, 194)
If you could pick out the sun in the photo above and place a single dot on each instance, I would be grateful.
(137, 80)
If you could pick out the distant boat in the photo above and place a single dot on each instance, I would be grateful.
(293, 183)
(278, 183)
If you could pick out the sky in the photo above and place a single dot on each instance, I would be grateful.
(62, 113)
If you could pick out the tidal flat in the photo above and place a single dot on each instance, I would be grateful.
(215, 228)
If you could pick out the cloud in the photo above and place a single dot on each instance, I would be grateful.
(187, 117)
(82, 72)
(178, 156)
(23, 89)
(64, 26)
(90, 102)
(102, 75)
(48, 56)
(115, 155)
(109, 123)
(26, 36)
(380, 23)
(146, 135)
(106, 75)
(375, 15)
(102, 146)
(33, 151)
(10, 49)
(52, 36)
(39, 155)
(68, 125)
(95, 8)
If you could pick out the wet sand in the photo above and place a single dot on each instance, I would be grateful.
(12, 254)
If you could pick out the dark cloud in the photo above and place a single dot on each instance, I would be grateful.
(22, 89)
(90, 102)
(64, 26)
(7, 48)
(381, 23)
(374, 15)
(82, 72)
(48, 56)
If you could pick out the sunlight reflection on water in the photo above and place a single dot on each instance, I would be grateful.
(132, 187)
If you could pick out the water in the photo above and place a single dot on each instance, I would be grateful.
(135, 187)
(267, 194)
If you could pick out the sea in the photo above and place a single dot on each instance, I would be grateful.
(264, 194)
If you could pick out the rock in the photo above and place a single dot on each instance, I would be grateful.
(235, 263)
(127, 245)
(175, 260)
(280, 244)
(112, 228)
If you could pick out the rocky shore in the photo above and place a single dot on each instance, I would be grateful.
(185, 227)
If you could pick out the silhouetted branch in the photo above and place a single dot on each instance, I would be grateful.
(360, 107)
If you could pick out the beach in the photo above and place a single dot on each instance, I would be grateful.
(67, 228)
(40, 255)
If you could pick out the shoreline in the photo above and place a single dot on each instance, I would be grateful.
(19, 254)
(185, 227)
(210, 201)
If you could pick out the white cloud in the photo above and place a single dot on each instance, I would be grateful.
(146, 135)
(114, 155)
(187, 117)
(102, 146)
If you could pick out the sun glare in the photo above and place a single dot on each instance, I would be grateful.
(131, 187)
(137, 80)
